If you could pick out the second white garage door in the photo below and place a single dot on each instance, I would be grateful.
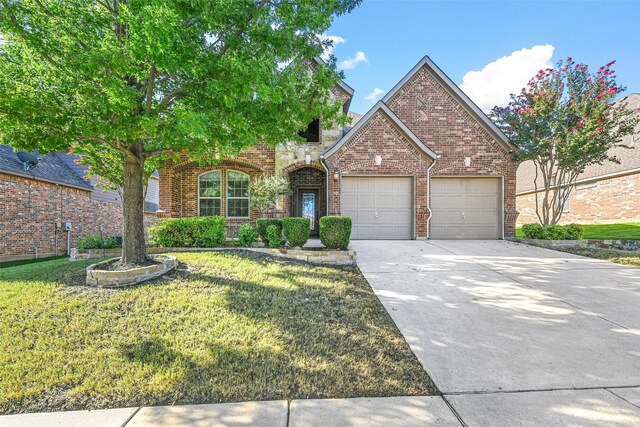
(380, 207)
(466, 208)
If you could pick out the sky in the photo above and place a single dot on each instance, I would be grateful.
(489, 48)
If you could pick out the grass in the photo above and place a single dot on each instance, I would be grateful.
(622, 231)
(226, 327)
(17, 262)
(613, 255)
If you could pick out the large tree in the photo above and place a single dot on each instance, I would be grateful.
(564, 121)
(130, 84)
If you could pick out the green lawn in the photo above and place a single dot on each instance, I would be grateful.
(226, 327)
(623, 231)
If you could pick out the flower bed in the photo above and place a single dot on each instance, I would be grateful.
(118, 278)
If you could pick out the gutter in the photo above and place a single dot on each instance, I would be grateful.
(429, 194)
(50, 181)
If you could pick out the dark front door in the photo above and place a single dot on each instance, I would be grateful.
(308, 208)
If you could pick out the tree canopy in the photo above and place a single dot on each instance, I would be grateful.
(129, 84)
(564, 121)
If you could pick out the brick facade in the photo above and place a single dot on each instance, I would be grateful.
(308, 178)
(31, 209)
(610, 200)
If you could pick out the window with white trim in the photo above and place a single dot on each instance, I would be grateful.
(237, 194)
(210, 194)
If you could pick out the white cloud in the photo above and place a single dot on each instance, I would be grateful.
(335, 40)
(493, 84)
(351, 63)
(375, 94)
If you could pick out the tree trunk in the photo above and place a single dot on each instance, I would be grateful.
(133, 245)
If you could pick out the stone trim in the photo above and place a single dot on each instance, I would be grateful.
(115, 279)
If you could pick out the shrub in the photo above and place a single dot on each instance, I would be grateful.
(265, 192)
(202, 232)
(263, 223)
(274, 236)
(246, 235)
(552, 232)
(335, 231)
(296, 230)
(96, 242)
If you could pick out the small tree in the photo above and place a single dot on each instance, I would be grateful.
(266, 191)
(131, 84)
(564, 121)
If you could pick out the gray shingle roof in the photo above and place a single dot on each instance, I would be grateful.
(629, 158)
(49, 168)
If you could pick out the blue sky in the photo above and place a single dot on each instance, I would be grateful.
(463, 36)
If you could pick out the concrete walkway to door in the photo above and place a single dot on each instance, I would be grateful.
(513, 334)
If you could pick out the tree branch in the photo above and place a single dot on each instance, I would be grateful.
(153, 153)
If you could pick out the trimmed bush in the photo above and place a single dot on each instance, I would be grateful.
(552, 232)
(263, 223)
(198, 232)
(296, 230)
(335, 231)
(274, 236)
(96, 242)
(246, 235)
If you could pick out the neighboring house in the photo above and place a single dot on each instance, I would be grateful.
(423, 162)
(606, 193)
(35, 204)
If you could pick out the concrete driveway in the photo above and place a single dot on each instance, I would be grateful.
(514, 334)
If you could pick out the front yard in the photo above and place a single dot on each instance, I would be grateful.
(226, 327)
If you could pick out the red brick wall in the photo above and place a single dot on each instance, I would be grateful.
(399, 157)
(306, 178)
(442, 123)
(29, 210)
(612, 200)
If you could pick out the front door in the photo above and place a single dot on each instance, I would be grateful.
(308, 203)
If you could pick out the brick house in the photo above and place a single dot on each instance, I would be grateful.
(424, 162)
(606, 193)
(36, 202)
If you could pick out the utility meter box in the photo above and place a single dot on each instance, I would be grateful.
(66, 226)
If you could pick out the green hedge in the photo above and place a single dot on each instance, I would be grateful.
(552, 232)
(296, 230)
(96, 242)
(335, 231)
(274, 236)
(197, 232)
(246, 235)
(263, 223)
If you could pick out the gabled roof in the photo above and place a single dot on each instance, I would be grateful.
(457, 93)
(50, 169)
(341, 84)
(380, 106)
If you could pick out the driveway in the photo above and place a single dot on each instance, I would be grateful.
(505, 329)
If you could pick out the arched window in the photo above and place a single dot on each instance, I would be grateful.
(237, 194)
(209, 194)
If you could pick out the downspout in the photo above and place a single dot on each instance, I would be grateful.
(429, 195)
(326, 170)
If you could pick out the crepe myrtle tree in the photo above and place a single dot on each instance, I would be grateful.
(131, 84)
(564, 121)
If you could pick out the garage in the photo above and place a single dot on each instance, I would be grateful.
(466, 208)
(380, 207)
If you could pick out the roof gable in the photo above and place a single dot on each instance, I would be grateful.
(458, 94)
(380, 106)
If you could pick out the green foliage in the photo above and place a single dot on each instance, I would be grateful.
(552, 231)
(96, 242)
(564, 121)
(263, 223)
(296, 230)
(198, 232)
(246, 235)
(123, 83)
(335, 231)
(274, 236)
(266, 191)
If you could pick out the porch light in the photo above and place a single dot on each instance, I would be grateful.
(467, 161)
(307, 159)
(336, 175)
(378, 159)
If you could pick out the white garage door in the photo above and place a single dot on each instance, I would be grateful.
(380, 207)
(466, 208)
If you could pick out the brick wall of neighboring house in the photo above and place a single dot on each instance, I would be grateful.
(611, 200)
(440, 121)
(399, 157)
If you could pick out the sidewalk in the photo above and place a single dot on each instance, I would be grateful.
(381, 411)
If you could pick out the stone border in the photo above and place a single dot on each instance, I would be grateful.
(315, 255)
(114, 279)
(625, 245)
